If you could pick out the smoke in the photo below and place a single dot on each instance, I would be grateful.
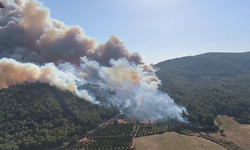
(35, 47)
(28, 34)
(13, 72)
(136, 88)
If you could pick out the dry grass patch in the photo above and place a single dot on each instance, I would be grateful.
(174, 141)
(235, 132)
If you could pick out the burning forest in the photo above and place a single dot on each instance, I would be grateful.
(34, 47)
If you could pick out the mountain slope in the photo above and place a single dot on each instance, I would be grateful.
(209, 84)
(210, 64)
(37, 116)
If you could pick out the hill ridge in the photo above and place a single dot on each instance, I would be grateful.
(209, 84)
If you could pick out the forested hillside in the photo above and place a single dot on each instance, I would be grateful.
(37, 116)
(209, 84)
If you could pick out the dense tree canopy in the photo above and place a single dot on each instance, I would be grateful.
(36, 116)
(209, 84)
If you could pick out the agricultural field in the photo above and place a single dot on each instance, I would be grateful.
(174, 141)
(129, 135)
(119, 136)
(149, 129)
(113, 130)
(110, 143)
(110, 136)
(233, 131)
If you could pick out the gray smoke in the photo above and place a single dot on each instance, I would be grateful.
(28, 34)
(35, 47)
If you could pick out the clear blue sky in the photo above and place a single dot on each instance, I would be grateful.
(161, 29)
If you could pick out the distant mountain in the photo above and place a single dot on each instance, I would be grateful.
(209, 64)
(36, 116)
(209, 84)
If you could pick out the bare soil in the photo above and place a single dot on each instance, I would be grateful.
(175, 141)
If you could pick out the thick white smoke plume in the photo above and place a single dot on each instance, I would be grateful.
(13, 72)
(35, 47)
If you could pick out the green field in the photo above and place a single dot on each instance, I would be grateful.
(174, 141)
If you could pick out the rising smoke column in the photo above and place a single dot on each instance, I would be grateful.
(28, 34)
(35, 47)
(136, 88)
